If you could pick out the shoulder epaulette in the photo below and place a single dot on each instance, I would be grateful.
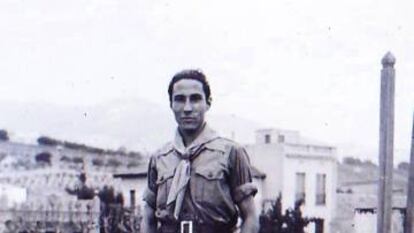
(220, 144)
(165, 149)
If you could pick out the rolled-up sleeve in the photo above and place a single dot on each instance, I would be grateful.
(241, 181)
(150, 193)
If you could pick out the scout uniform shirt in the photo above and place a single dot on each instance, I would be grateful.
(204, 180)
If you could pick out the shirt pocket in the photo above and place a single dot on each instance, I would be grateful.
(207, 184)
(163, 182)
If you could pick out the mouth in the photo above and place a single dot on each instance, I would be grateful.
(187, 119)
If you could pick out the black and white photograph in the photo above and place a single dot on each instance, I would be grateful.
(156, 116)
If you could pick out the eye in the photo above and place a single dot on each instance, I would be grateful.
(196, 98)
(179, 98)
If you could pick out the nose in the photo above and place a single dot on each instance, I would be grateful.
(187, 106)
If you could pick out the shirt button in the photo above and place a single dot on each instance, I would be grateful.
(210, 174)
(162, 178)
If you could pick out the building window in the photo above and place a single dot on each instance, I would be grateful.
(267, 138)
(281, 138)
(320, 189)
(300, 193)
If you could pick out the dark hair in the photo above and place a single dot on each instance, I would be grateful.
(194, 75)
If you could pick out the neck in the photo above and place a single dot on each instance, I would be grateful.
(190, 135)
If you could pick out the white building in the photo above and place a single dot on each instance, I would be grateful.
(297, 168)
(132, 186)
(11, 195)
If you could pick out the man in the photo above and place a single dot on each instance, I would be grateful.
(81, 190)
(200, 182)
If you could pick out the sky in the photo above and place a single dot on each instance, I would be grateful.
(312, 66)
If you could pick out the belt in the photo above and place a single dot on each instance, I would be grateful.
(193, 227)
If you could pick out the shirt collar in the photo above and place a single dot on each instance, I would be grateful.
(207, 134)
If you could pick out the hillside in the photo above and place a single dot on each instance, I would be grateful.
(358, 172)
(134, 124)
(358, 188)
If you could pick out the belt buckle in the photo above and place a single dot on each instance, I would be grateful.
(186, 226)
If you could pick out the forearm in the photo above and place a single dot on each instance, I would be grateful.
(148, 227)
(148, 223)
(250, 219)
(250, 225)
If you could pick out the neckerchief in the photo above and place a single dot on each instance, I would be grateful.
(183, 169)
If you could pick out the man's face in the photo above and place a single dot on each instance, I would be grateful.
(189, 105)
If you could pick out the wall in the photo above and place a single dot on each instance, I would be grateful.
(366, 222)
(311, 167)
(268, 158)
(12, 195)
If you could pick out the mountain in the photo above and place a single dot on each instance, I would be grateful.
(136, 124)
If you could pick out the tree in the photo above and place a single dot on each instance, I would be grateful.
(77, 160)
(135, 155)
(65, 158)
(95, 150)
(133, 164)
(369, 163)
(43, 157)
(74, 146)
(352, 161)
(4, 135)
(404, 166)
(43, 140)
(292, 221)
(97, 162)
(113, 162)
(114, 218)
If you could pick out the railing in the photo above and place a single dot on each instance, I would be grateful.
(51, 221)
(75, 216)
(310, 149)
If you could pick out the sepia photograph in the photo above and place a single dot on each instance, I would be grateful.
(156, 116)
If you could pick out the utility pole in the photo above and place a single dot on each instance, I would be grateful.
(409, 227)
(386, 144)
